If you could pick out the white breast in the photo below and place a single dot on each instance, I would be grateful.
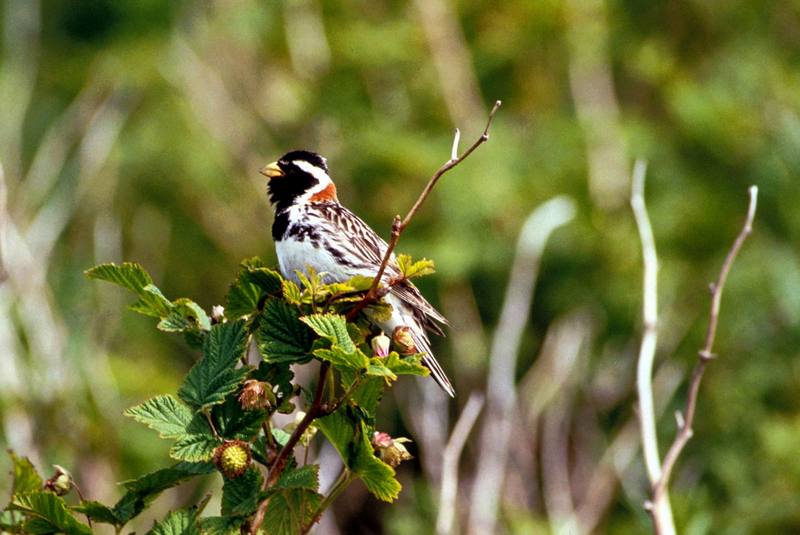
(296, 255)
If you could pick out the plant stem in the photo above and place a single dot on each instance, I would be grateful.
(399, 225)
(342, 482)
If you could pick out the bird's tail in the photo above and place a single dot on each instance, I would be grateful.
(424, 346)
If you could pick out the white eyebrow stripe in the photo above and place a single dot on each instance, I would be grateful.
(313, 170)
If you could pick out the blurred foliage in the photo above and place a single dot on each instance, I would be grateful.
(133, 131)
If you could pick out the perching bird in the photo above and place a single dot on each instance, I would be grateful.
(312, 229)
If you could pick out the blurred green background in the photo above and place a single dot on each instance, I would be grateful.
(134, 131)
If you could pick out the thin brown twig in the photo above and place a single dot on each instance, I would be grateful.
(705, 355)
(275, 471)
(399, 225)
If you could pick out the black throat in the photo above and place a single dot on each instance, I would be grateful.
(283, 191)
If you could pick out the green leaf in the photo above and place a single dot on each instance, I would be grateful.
(240, 496)
(377, 368)
(129, 275)
(142, 491)
(340, 358)
(49, 513)
(368, 394)
(406, 365)
(280, 336)
(25, 477)
(291, 292)
(194, 448)
(215, 375)
(305, 477)
(411, 269)
(351, 438)
(185, 315)
(333, 328)
(220, 525)
(338, 428)
(11, 521)
(133, 277)
(289, 510)
(280, 436)
(232, 422)
(165, 414)
(378, 476)
(181, 522)
(97, 511)
(253, 282)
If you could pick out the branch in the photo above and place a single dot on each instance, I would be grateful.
(275, 471)
(450, 457)
(647, 351)
(399, 225)
(705, 355)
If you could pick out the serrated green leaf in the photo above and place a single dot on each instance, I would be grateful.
(305, 477)
(411, 365)
(291, 292)
(368, 394)
(253, 282)
(50, 512)
(181, 522)
(240, 496)
(142, 491)
(129, 275)
(151, 302)
(220, 525)
(377, 368)
(97, 511)
(290, 510)
(378, 477)
(185, 315)
(234, 423)
(194, 448)
(333, 328)
(215, 375)
(165, 414)
(410, 269)
(281, 337)
(340, 358)
(339, 429)
(26, 479)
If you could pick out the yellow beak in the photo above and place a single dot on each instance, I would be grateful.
(271, 170)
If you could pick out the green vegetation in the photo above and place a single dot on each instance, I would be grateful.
(133, 131)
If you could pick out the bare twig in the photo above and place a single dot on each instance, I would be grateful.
(501, 390)
(659, 473)
(399, 225)
(450, 457)
(705, 354)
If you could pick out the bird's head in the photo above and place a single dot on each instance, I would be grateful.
(297, 177)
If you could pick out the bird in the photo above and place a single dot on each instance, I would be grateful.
(312, 229)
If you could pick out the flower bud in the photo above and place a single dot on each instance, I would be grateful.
(380, 345)
(256, 395)
(217, 313)
(404, 341)
(391, 450)
(61, 481)
(232, 458)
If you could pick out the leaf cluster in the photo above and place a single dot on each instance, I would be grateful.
(269, 324)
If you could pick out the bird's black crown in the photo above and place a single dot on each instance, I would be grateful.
(304, 156)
